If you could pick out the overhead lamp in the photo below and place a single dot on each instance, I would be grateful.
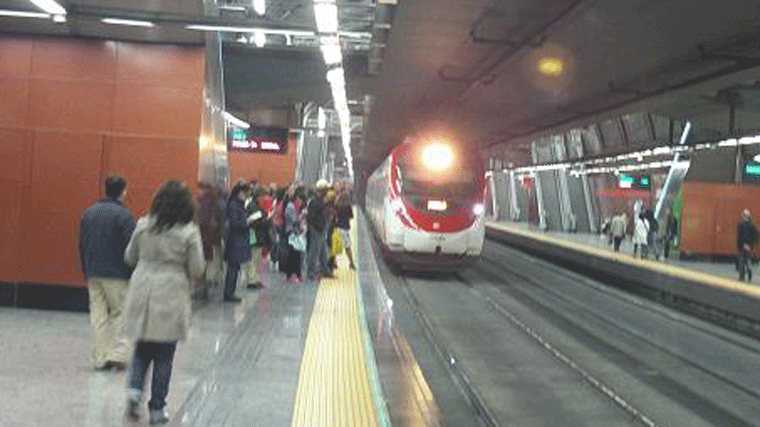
(127, 22)
(259, 39)
(332, 54)
(235, 121)
(224, 28)
(59, 18)
(326, 15)
(24, 14)
(232, 7)
(260, 6)
(50, 6)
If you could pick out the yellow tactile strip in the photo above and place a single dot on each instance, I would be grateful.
(333, 385)
(667, 269)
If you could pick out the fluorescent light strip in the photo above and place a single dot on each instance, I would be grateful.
(127, 22)
(250, 30)
(235, 121)
(50, 7)
(24, 14)
(230, 7)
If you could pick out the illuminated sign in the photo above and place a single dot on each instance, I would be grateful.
(752, 169)
(634, 181)
(258, 140)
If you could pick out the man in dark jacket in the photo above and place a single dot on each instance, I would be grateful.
(104, 234)
(238, 249)
(316, 222)
(746, 239)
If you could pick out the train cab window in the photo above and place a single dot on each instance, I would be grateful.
(418, 185)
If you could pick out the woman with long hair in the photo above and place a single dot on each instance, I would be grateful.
(167, 251)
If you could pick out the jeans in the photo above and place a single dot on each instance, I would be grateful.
(316, 253)
(230, 280)
(744, 263)
(162, 356)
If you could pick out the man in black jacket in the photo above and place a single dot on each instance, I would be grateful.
(316, 222)
(104, 234)
(746, 238)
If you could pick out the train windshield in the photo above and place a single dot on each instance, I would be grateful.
(415, 181)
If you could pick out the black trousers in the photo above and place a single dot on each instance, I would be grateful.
(617, 240)
(230, 279)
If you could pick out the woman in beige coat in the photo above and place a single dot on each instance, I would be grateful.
(167, 251)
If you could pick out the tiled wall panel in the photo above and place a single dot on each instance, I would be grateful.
(73, 111)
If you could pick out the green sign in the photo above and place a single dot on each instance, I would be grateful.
(752, 169)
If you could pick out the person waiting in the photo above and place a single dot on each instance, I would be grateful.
(167, 252)
(238, 246)
(640, 235)
(746, 239)
(618, 227)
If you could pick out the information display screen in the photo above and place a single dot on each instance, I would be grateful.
(634, 181)
(258, 140)
(751, 172)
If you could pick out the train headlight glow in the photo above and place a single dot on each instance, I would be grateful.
(478, 209)
(437, 156)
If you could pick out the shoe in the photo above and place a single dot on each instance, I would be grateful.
(159, 416)
(233, 299)
(256, 285)
(133, 409)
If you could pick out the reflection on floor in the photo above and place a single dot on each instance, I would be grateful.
(45, 379)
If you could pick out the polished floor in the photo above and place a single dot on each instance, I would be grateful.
(513, 341)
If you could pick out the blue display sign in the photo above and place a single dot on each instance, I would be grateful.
(258, 140)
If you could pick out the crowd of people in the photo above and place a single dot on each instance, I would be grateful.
(141, 275)
(650, 240)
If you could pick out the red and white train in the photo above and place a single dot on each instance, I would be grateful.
(426, 206)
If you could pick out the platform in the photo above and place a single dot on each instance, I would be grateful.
(376, 348)
(598, 241)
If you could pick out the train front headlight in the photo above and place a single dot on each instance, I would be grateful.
(478, 209)
(437, 156)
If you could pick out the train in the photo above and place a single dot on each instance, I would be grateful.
(425, 206)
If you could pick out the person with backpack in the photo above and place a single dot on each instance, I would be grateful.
(746, 239)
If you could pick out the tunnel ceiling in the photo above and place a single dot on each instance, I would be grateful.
(475, 64)
(472, 64)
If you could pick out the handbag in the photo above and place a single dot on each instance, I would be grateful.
(297, 242)
(337, 243)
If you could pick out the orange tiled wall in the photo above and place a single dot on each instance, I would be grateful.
(73, 111)
(710, 216)
(265, 168)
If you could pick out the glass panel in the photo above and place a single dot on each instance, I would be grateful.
(611, 134)
(558, 144)
(574, 144)
(637, 128)
(591, 141)
(661, 128)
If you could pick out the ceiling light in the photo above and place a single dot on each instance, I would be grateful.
(260, 6)
(551, 66)
(231, 7)
(59, 18)
(326, 15)
(24, 14)
(757, 158)
(50, 6)
(332, 54)
(259, 39)
(128, 22)
(235, 121)
(250, 30)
